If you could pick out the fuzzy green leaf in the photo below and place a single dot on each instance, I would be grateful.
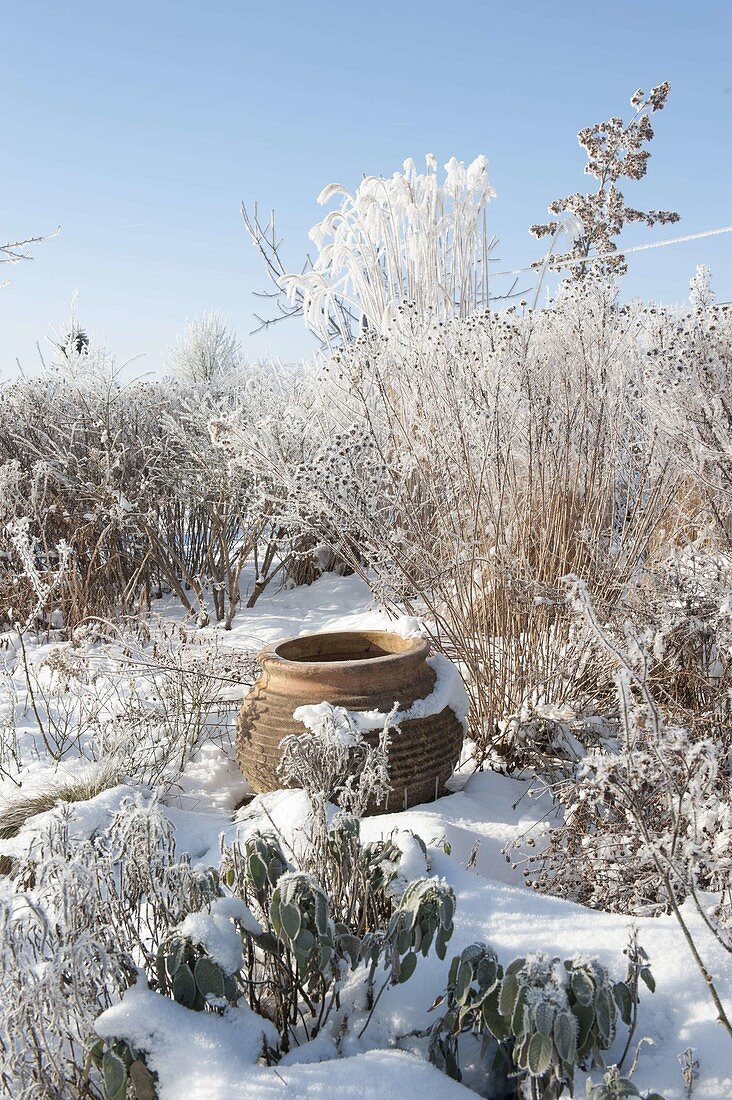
(452, 973)
(321, 913)
(407, 966)
(209, 978)
(585, 1019)
(492, 1018)
(518, 1020)
(648, 978)
(305, 941)
(114, 1073)
(404, 941)
(582, 988)
(487, 973)
(604, 1013)
(257, 871)
(539, 1054)
(544, 1017)
(624, 1001)
(184, 986)
(291, 921)
(565, 1038)
(509, 994)
(275, 868)
(462, 985)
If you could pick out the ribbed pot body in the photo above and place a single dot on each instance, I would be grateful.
(361, 671)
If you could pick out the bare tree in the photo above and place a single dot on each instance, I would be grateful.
(208, 350)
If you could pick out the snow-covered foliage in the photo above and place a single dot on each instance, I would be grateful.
(290, 950)
(647, 823)
(332, 761)
(209, 926)
(121, 706)
(82, 917)
(646, 814)
(538, 1019)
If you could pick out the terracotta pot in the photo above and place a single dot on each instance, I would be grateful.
(361, 671)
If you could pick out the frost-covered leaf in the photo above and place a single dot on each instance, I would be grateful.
(497, 1024)
(585, 1018)
(582, 988)
(209, 978)
(544, 1017)
(114, 1072)
(624, 1001)
(184, 986)
(487, 972)
(565, 1032)
(509, 994)
(305, 941)
(518, 1020)
(462, 985)
(290, 920)
(539, 1055)
(407, 966)
(604, 1013)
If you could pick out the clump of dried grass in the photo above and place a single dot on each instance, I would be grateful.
(469, 466)
(17, 811)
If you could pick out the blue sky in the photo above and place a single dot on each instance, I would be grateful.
(140, 127)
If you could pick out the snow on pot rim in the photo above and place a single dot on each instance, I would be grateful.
(448, 692)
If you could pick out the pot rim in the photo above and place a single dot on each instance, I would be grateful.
(414, 649)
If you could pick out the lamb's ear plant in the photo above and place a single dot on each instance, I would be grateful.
(265, 860)
(424, 915)
(300, 915)
(192, 978)
(337, 907)
(615, 1087)
(539, 1019)
(123, 1070)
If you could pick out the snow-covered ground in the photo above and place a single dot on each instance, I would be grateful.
(207, 1057)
